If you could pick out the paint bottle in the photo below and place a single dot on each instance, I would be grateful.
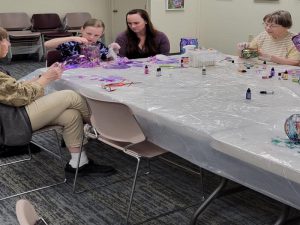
(272, 72)
(264, 65)
(248, 94)
(181, 63)
(285, 75)
(203, 70)
(146, 70)
(158, 72)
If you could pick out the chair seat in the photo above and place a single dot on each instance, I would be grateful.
(77, 31)
(144, 149)
(58, 34)
(147, 149)
(23, 33)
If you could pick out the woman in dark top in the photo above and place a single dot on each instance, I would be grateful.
(141, 39)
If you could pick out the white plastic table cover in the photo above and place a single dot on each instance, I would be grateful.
(207, 120)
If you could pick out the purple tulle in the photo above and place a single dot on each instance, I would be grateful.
(123, 63)
(169, 60)
(296, 41)
(81, 61)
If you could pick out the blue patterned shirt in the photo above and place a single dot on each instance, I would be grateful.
(72, 48)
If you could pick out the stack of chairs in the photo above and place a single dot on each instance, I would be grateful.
(49, 24)
(22, 39)
(73, 21)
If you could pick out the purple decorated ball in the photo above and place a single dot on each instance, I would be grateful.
(296, 40)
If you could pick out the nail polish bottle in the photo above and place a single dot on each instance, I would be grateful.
(264, 65)
(181, 63)
(146, 70)
(272, 72)
(203, 70)
(158, 72)
(248, 94)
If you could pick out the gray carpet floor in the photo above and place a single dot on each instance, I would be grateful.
(167, 196)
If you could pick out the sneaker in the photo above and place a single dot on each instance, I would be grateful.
(91, 169)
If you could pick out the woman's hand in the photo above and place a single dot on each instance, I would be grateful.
(53, 73)
(113, 50)
(115, 47)
(264, 56)
(242, 45)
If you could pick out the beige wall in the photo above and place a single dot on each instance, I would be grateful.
(176, 24)
(218, 24)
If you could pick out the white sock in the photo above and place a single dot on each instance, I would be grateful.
(74, 159)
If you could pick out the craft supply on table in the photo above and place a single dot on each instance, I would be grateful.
(146, 69)
(187, 41)
(203, 70)
(285, 75)
(272, 72)
(184, 62)
(266, 92)
(248, 53)
(158, 72)
(248, 94)
(202, 57)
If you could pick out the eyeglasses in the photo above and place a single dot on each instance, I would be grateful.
(271, 25)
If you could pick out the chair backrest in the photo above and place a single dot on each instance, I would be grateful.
(15, 21)
(114, 121)
(75, 20)
(52, 57)
(46, 21)
(26, 213)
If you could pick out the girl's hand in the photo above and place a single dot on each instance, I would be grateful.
(80, 40)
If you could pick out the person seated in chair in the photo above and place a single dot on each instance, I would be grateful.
(24, 109)
(141, 39)
(91, 32)
(275, 43)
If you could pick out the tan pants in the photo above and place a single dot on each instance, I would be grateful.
(66, 108)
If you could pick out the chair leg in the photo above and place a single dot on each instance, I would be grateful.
(133, 188)
(201, 184)
(46, 186)
(78, 162)
(148, 167)
(200, 173)
(21, 160)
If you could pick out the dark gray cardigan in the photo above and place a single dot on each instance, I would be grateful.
(15, 126)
